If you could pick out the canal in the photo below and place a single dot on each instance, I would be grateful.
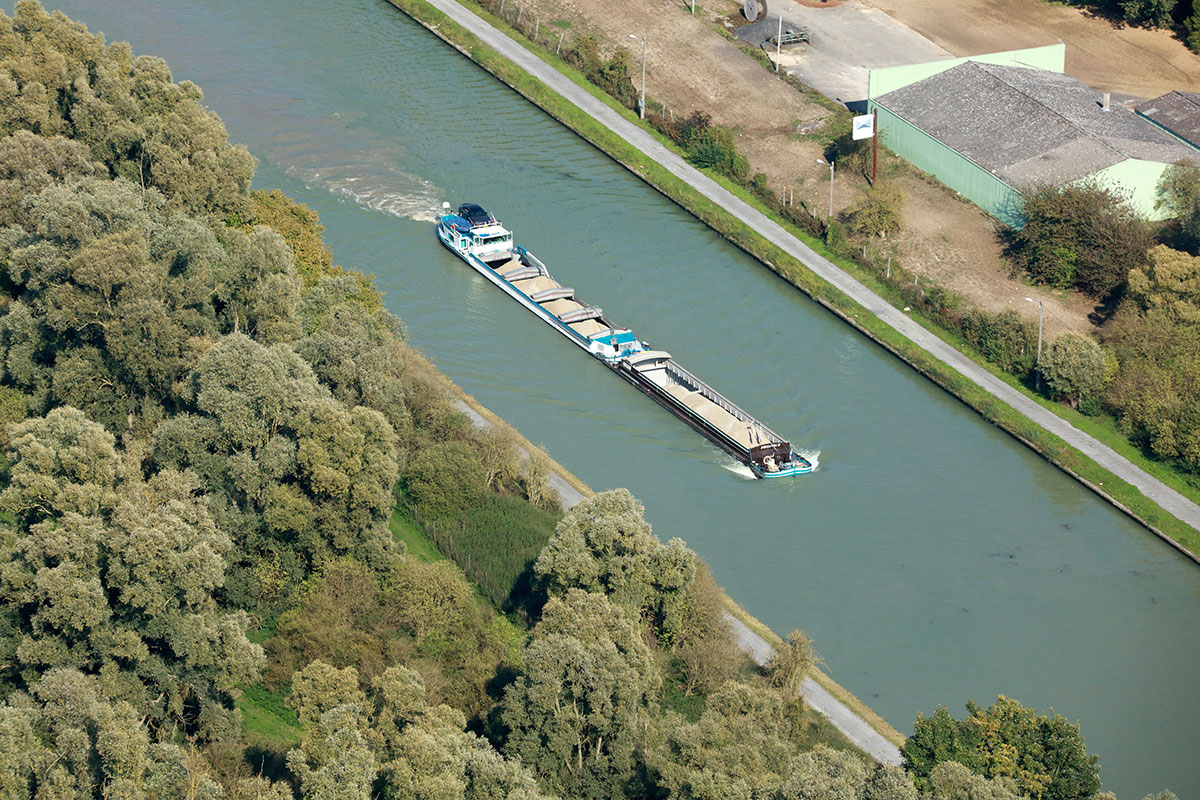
(931, 558)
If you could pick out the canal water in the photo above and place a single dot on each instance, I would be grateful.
(932, 559)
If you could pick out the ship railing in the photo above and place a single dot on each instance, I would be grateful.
(687, 379)
(532, 260)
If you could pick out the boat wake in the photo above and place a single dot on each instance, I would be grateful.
(378, 186)
(738, 468)
(813, 456)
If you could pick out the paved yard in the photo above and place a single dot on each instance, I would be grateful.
(847, 41)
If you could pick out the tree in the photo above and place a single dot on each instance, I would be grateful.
(444, 479)
(1043, 754)
(1191, 31)
(1080, 235)
(114, 575)
(65, 739)
(1150, 13)
(950, 780)
(739, 747)
(877, 211)
(1075, 367)
(292, 473)
(603, 544)
(578, 715)
(703, 641)
(334, 762)
(1156, 394)
(790, 663)
(29, 163)
(823, 774)
(58, 79)
(358, 352)
(888, 782)
(1169, 283)
(1179, 193)
(388, 742)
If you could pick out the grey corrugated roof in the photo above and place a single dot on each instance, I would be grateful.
(1178, 112)
(1029, 126)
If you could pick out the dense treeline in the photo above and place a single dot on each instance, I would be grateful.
(219, 444)
(1182, 15)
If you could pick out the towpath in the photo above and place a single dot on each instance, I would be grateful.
(850, 724)
(1169, 499)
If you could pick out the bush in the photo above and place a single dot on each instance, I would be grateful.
(710, 146)
(1081, 235)
(1074, 368)
(445, 479)
(877, 211)
(1006, 339)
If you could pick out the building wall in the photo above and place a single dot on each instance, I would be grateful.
(1052, 57)
(950, 167)
(1139, 180)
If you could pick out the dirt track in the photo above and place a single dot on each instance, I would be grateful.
(1135, 61)
(691, 67)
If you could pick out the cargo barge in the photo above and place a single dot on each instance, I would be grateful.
(478, 238)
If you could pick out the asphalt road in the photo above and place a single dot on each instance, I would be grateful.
(1169, 499)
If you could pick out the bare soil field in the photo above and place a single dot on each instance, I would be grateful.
(1135, 61)
(691, 67)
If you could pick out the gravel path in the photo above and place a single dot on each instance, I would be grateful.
(853, 726)
(1156, 490)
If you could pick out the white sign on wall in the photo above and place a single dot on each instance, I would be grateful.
(864, 126)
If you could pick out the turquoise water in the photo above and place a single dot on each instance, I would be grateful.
(931, 558)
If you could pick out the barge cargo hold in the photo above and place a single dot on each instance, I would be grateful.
(479, 239)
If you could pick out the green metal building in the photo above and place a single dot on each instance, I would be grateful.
(997, 126)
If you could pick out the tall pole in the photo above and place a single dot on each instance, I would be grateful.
(830, 188)
(693, 6)
(1041, 313)
(642, 103)
(642, 110)
(778, 43)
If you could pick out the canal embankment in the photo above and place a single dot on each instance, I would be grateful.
(827, 279)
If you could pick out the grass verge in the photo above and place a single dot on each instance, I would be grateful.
(1119, 492)
(418, 544)
(266, 716)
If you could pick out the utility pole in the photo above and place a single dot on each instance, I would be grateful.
(778, 43)
(642, 101)
(830, 163)
(1041, 310)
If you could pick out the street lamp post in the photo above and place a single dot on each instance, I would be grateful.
(1041, 311)
(642, 101)
(830, 163)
